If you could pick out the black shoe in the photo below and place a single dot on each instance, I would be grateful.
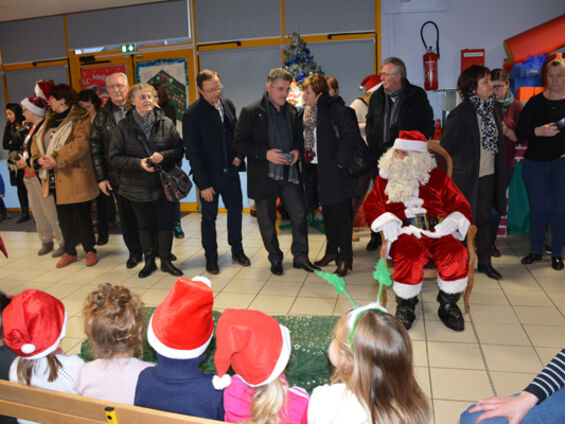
(178, 232)
(306, 266)
(276, 268)
(405, 311)
(449, 312)
(172, 257)
(241, 259)
(494, 252)
(530, 258)
(375, 241)
(547, 249)
(489, 271)
(557, 263)
(23, 218)
(133, 260)
(167, 266)
(212, 267)
(102, 238)
(148, 268)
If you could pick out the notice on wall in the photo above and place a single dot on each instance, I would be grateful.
(95, 79)
(171, 74)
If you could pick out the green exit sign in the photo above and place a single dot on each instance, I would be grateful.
(128, 48)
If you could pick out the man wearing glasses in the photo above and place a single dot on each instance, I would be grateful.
(105, 122)
(395, 106)
(208, 126)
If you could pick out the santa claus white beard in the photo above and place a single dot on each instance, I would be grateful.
(405, 175)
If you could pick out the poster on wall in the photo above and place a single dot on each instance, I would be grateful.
(95, 79)
(172, 74)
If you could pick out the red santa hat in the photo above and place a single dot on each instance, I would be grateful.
(42, 88)
(37, 105)
(34, 323)
(255, 345)
(181, 327)
(370, 83)
(411, 141)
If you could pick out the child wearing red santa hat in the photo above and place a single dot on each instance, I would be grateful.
(34, 325)
(180, 330)
(113, 323)
(257, 348)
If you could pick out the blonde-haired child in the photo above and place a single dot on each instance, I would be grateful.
(113, 323)
(257, 348)
(34, 324)
(374, 379)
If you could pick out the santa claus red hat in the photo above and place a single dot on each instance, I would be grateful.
(34, 323)
(370, 83)
(181, 327)
(37, 105)
(255, 345)
(411, 141)
(43, 87)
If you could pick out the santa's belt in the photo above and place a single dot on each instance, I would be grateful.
(424, 222)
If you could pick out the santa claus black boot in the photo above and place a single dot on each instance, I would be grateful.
(449, 312)
(405, 310)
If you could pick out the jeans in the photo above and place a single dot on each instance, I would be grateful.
(551, 410)
(293, 199)
(232, 198)
(545, 182)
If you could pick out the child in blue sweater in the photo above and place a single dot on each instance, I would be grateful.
(180, 330)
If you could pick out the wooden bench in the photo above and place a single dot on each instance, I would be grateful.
(51, 407)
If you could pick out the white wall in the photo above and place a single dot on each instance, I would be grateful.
(463, 24)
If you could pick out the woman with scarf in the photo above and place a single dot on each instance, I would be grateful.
(44, 209)
(511, 109)
(332, 128)
(60, 154)
(542, 124)
(474, 138)
(146, 138)
(14, 134)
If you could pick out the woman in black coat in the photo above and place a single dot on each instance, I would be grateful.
(473, 137)
(333, 138)
(13, 140)
(144, 128)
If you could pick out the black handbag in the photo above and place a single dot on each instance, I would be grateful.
(360, 162)
(176, 184)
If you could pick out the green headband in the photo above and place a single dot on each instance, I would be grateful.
(355, 314)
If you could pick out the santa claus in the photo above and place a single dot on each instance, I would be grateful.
(424, 217)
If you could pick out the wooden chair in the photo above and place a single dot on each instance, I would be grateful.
(445, 163)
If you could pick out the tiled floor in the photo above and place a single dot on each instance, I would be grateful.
(515, 325)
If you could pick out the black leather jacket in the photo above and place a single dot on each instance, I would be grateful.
(100, 134)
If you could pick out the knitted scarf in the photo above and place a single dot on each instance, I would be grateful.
(507, 101)
(489, 132)
(310, 122)
(145, 123)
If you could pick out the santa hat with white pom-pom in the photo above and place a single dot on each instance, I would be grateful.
(34, 323)
(181, 326)
(255, 345)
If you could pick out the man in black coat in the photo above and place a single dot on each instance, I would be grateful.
(395, 106)
(267, 134)
(207, 128)
(105, 122)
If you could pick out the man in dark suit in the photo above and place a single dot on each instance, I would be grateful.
(207, 128)
(267, 133)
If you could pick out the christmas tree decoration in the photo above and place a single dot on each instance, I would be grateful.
(382, 275)
(298, 59)
(338, 283)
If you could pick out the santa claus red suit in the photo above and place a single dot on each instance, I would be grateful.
(424, 217)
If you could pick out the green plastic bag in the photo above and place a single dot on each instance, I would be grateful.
(518, 203)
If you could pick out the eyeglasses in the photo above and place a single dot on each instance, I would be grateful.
(213, 90)
(386, 74)
(116, 86)
(498, 86)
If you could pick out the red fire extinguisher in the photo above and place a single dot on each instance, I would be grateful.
(430, 60)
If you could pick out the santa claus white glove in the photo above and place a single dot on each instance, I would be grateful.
(446, 227)
(411, 230)
(390, 230)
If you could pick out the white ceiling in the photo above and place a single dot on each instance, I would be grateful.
(11, 10)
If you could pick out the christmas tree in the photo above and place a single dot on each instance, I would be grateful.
(298, 59)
